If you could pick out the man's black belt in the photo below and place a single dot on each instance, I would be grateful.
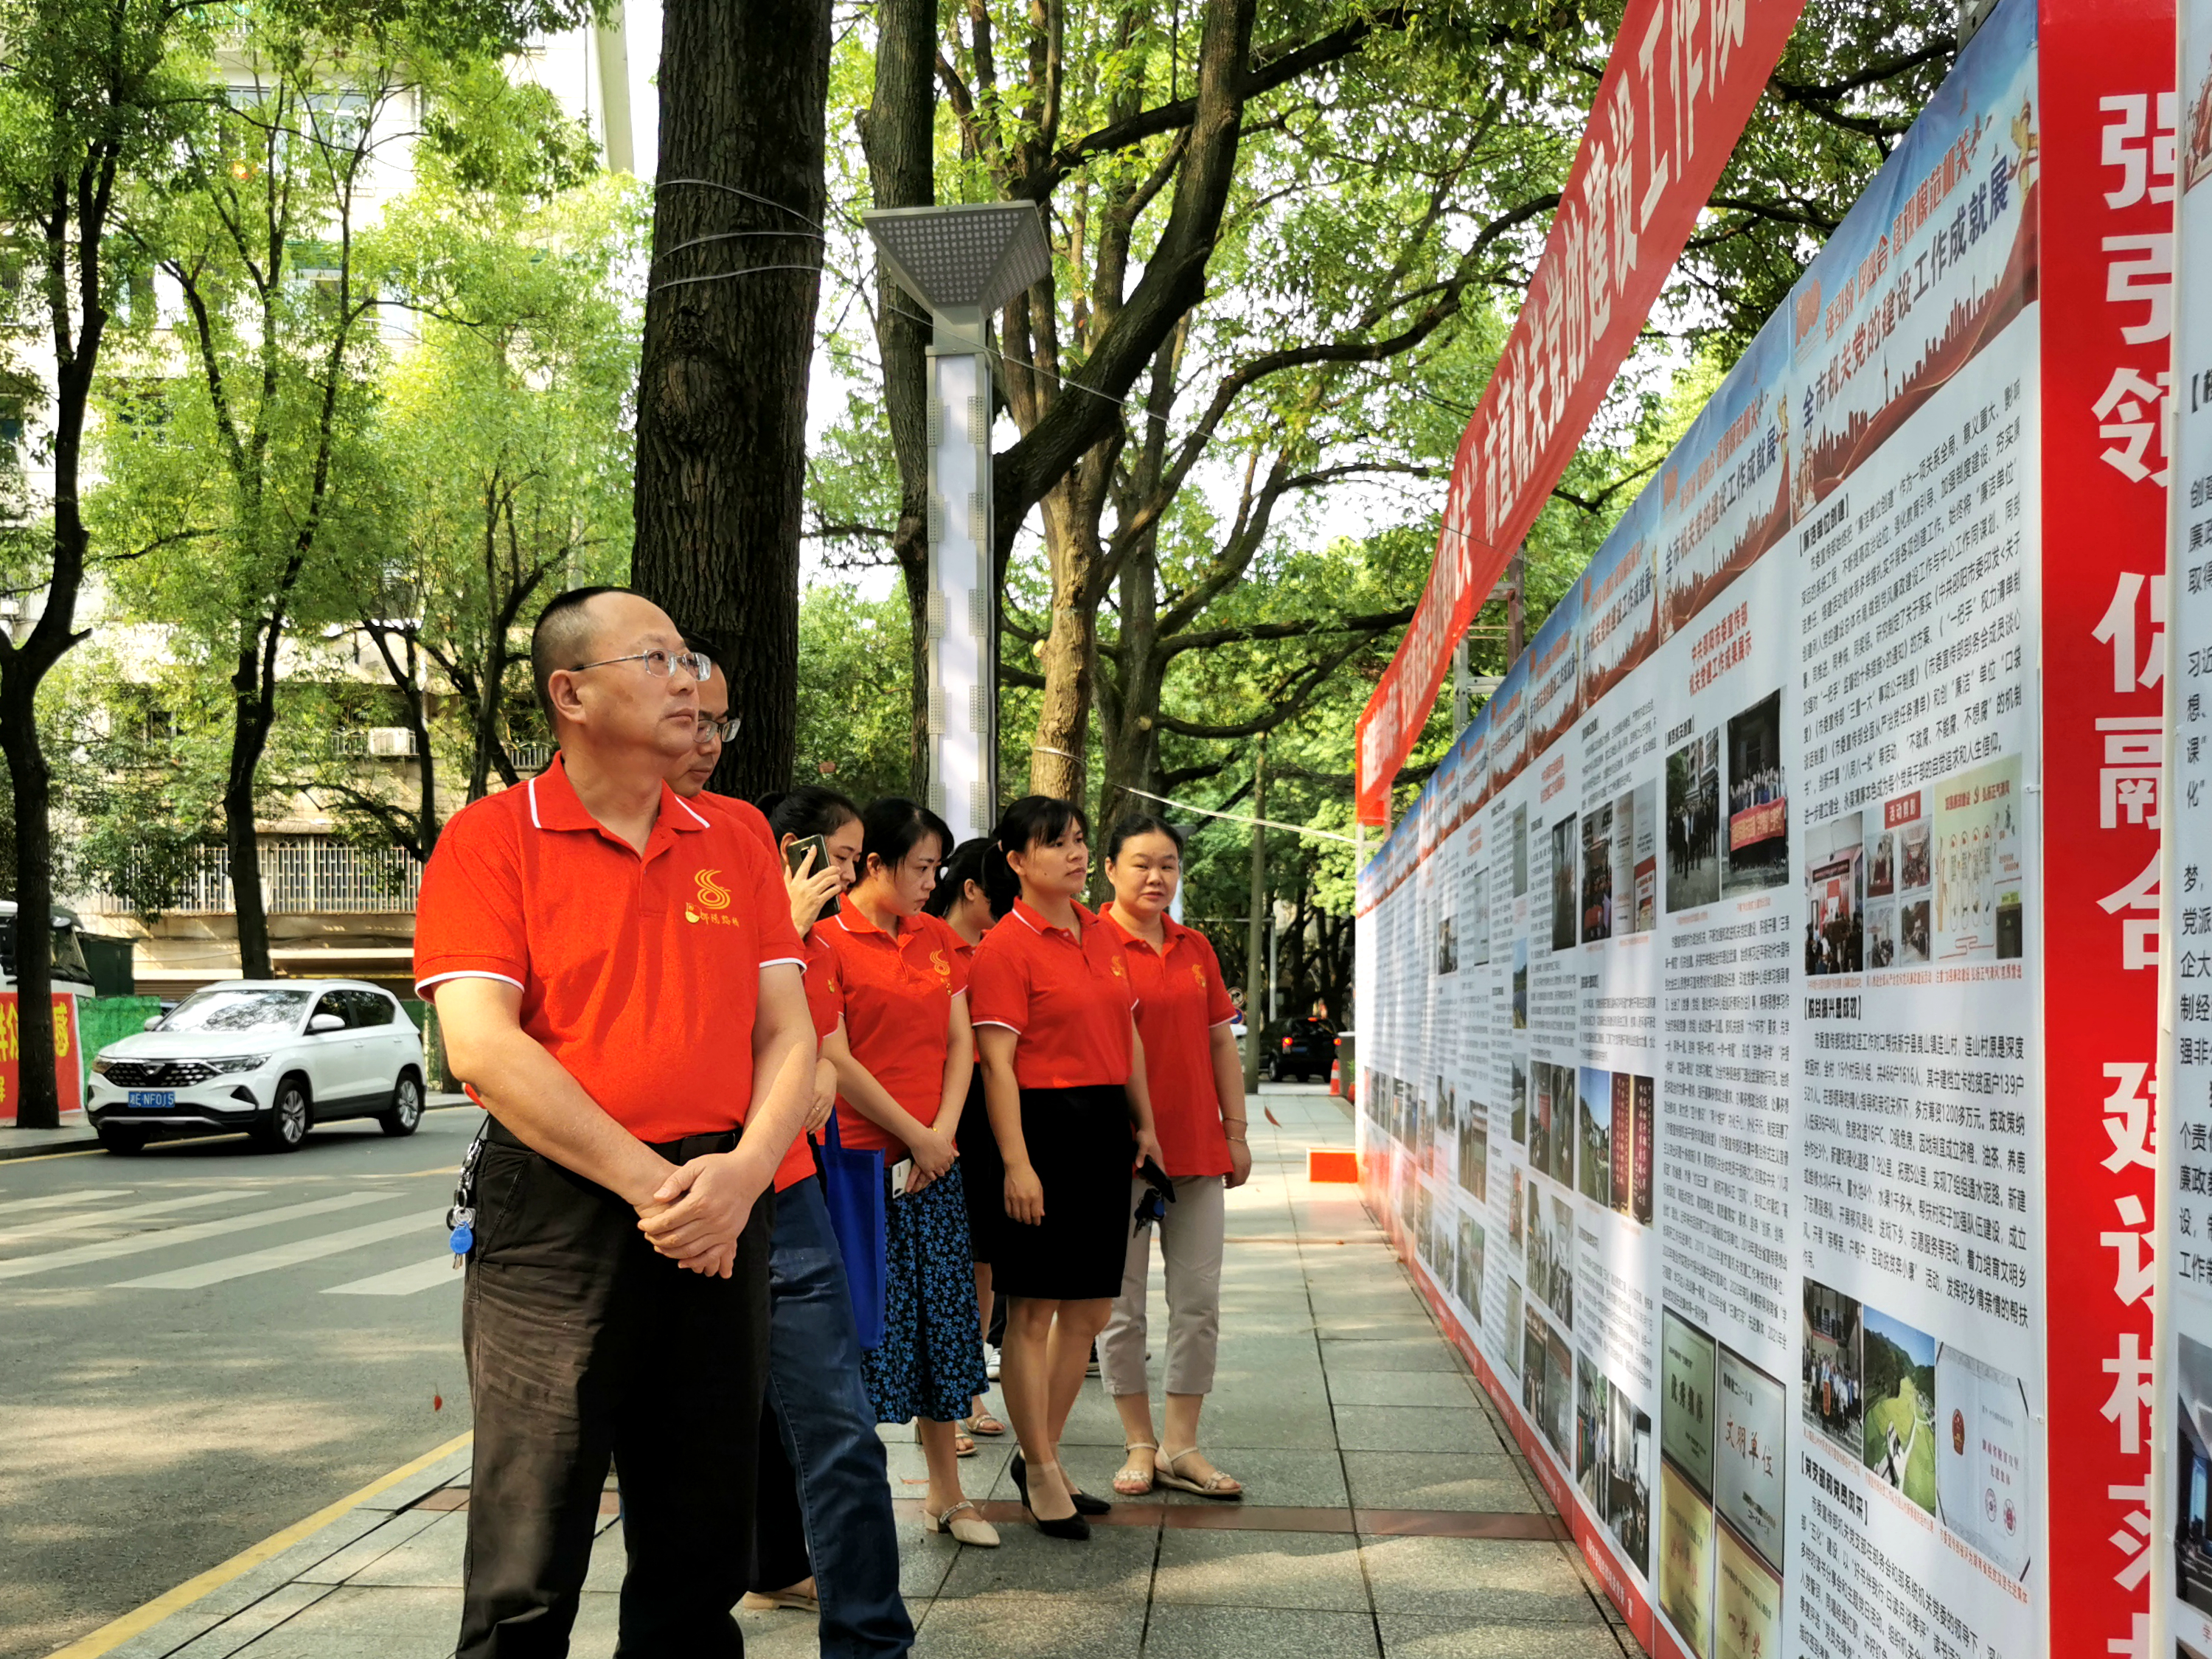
(676, 1151)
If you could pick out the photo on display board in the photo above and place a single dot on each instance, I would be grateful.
(1913, 931)
(1562, 1168)
(1510, 1350)
(1613, 1453)
(1594, 1103)
(1758, 800)
(1473, 1249)
(1541, 1114)
(1520, 984)
(2191, 1463)
(1832, 1390)
(1563, 883)
(1446, 946)
(1547, 1384)
(1597, 872)
(1474, 1151)
(1881, 934)
(1515, 1223)
(1551, 1263)
(1983, 1445)
(1688, 1363)
(1898, 1423)
(1646, 1132)
(1882, 864)
(1520, 852)
(1447, 1108)
(1520, 1074)
(1835, 896)
(1636, 857)
(1979, 879)
(1693, 823)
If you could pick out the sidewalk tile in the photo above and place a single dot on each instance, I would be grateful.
(371, 1547)
(431, 1559)
(1480, 1579)
(1435, 1428)
(1350, 1388)
(1313, 1571)
(1428, 1353)
(1189, 1632)
(256, 1621)
(1020, 1625)
(1116, 1561)
(1427, 1480)
(392, 1624)
(1407, 1636)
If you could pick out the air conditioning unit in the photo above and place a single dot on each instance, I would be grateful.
(392, 742)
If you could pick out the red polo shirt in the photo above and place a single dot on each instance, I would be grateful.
(898, 992)
(1180, 999)
(1069, 1001)
(640, 975)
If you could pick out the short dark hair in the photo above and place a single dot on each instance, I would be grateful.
(1133, 824)
(964, 865)
(563, 634)
(812, 809)
(1031, 819)
(893, 827)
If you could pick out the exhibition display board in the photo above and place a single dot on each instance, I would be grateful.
(1758, 1009)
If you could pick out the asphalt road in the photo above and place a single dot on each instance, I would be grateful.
(263, 1366)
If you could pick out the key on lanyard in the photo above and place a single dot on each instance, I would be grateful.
(462, 1216)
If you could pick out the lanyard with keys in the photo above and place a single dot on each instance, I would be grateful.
(462, 1216)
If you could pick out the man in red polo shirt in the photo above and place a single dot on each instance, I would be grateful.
(617, 980)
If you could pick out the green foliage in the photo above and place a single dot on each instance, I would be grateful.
(853, 691)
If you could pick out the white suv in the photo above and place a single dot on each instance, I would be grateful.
(273, 1056)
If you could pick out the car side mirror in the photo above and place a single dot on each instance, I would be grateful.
(153, 1021)
(326, 1022)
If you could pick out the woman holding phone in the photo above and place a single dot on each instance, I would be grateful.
(818, 832)
(959, 902)
(1197, 1079)
(1064, 1079)
(903, 1074)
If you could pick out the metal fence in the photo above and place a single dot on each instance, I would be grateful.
(300, 875)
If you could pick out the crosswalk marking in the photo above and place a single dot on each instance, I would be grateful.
(55, 1200)
(403, 1281)
(78, 1224)
(284, 1255)
(162, 1238)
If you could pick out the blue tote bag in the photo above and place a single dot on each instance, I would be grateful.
(852, 1184)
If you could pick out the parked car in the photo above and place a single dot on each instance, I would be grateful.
(1307, 1049)
(275, 1057)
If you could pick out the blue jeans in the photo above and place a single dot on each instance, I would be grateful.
(829, 1433)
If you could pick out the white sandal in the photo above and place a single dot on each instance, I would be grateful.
(1217, 1485)
(1148, 1470)
(965, 1529)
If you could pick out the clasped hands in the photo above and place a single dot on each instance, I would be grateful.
(695, 1214)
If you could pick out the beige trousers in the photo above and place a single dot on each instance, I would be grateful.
(1191, 1238)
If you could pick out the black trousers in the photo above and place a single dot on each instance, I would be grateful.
(582, 1345)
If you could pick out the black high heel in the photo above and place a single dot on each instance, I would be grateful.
(1084, 1502)
(1073, 1526)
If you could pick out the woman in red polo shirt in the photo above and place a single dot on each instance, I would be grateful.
(1064, 1078)
(901, 1084)
(1197, 1081)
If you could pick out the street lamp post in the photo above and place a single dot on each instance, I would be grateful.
(963, 262)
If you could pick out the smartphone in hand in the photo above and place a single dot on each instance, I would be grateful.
(795, 851)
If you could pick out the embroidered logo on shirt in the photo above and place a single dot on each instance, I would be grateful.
(713, 896)
(1198, 974)
(1120, 972)
(944, 968)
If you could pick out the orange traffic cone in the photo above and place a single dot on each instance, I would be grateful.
(1336, 1077)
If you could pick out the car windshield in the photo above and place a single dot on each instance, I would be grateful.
(237, 1011)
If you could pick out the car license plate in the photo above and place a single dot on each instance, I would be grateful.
(145, 1098)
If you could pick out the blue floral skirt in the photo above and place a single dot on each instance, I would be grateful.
(930, 1363)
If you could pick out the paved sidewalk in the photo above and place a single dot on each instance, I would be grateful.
(1388, 1514)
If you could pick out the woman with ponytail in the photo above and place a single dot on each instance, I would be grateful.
(1064, 1079)
(903, 1066)
(959, 902)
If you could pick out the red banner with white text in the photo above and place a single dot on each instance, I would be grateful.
(1684, 78)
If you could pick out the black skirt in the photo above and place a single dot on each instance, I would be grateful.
(1081, 1144)
(982, 1173)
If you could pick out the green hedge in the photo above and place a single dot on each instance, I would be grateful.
(103, 1020)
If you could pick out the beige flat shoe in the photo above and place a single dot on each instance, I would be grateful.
(1134, 1477)
(793, 1600)
(1224, 1488)
(964, 1529)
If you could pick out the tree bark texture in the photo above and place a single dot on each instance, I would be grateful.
(898, 134)
(729, 339)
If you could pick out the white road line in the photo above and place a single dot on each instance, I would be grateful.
(162, 1238)
(55, 1200)
(79, 1223)
(285, 1255)
(403, 1281)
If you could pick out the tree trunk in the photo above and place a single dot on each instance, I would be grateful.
(729, 338)
(253, 712)
(38, 1104)
(898, 133)
(1057, 759)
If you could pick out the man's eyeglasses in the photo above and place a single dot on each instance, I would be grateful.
(721, 731)
(658, 664)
